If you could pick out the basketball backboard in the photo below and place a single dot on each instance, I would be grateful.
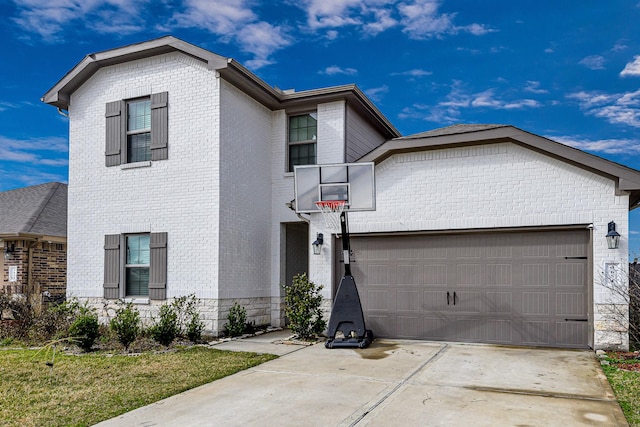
(352, 182)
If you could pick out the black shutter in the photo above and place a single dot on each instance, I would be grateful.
(114, 134)
(112, 266)
(159, 126)
(158, 267)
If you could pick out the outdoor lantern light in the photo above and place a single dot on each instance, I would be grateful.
(317, 245)
(613, 238)
(9, 249)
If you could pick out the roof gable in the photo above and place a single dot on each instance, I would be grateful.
(36, 210)
(626, 179)
(232, 71)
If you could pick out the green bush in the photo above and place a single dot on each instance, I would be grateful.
(166, 328)
(303, 307)
(189, 323)
(236, 320)
(195, 327)
(126, 325)
(84, 329)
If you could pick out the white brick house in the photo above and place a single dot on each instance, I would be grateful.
(184, 158)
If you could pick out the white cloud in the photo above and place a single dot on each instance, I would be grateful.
(632, 69)
(619, 46)
(413, 73)
(593, 62)
(234, 20)
(48, 18)
(330, 13)
(262, 39)
(534, 87)
(487, 99)
(419, 19)
(8, 105)
(222, 17)
(383, 21)
(334, 69)
(32, 150)
(458, 99)
(609, 146)
(376, 93)
(617, 108)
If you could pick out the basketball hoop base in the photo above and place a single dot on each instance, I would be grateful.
(346, 325)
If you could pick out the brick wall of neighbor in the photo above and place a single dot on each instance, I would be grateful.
(48, 270)
(17, 259)
(490, 186)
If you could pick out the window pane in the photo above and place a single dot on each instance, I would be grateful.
(303, 128)
(139, 147)
(137, 281)
(293, 135)
(302, 154)
(138, 249)
(139, 115)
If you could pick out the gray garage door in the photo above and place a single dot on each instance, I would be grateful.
(524, 288)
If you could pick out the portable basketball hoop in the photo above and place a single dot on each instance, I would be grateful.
(334, 190)
(331, 210)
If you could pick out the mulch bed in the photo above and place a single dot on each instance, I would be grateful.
(628, 361)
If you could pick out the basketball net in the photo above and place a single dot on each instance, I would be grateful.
(331, 210)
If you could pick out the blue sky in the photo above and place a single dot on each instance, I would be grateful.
(566, 70)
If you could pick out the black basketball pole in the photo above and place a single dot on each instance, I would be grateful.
(346, 249)
(346, 325)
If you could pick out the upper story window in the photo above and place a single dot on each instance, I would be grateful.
(138, 130)
(303, 134)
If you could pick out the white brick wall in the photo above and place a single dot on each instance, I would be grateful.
(178, 195)
(234, 154)
(245, 195)
(489, 186)
(330, 149)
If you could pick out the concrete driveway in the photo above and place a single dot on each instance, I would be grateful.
(408, 383)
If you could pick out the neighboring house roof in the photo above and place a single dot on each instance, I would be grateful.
(232, 71)
(39, 210)
(626, 179)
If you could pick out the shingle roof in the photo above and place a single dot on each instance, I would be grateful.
(39, 209)
(453, 130)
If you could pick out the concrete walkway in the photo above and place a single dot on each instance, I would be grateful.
(408, 383)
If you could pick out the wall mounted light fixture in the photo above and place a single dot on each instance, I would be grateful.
(9, 248)
(317, 245)
(613, 238)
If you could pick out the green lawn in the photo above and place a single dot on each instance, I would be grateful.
(86, 389)
(626, 386)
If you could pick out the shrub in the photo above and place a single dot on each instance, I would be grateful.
(189, 323)
(303, 307)
(55, 322)
(20, 315)
(84, 329)
(236, 320)
(126, 324)
(195, 327)
(166, 328)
